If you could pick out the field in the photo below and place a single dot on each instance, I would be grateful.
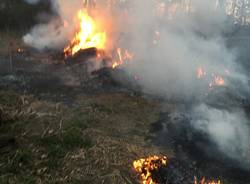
(61, 124)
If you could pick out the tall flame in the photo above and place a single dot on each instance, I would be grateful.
(88, 35)
(121, 57)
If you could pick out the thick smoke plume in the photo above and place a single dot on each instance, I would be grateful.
(184, 43)
(167, 67)
(169, 43)
(56, 33)
(228, 129)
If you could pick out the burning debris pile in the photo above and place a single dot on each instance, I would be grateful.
(87, 36)
(90, 41)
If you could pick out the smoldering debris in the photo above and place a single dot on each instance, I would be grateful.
(228, 129)
(197, 144)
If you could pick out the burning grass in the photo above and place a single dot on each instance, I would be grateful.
(149, 167)
(154, 170)
(204, 181)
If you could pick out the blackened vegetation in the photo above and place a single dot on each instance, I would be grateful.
(48, 74)
(174, 172)
(97, 75)
(81, 56)
(195, 154)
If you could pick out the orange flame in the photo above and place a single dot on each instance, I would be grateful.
(219, 81)
(145, 167)
(20, 50)
(122, 57)
(216, 80)
(203, 181)
(88, 35)
(200, 73)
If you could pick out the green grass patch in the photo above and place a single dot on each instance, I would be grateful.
(28, 179)
(73, 138)
(106, 108)
(70, 139)
(58, 145)
(20, 161)
(79, 120)
(8, 98)
(54, 146)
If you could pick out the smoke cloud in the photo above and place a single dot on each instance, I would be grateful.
(184, 43)
(56, 33)
(170, 42)
(169, 49)
(228, 129)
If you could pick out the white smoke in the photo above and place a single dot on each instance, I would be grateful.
(228, 129)
(56, 33)
(46, 36)
(168, 67)
(186, 42)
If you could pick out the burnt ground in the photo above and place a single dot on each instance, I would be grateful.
(61, 125)
(194, 151)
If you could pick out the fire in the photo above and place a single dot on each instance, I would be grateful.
(203, 181)
(145, 167)
(148, 167)
(215, 80)
(122, 57)
(200, 73)
(20, 50)
(88, 35)
(219, 81)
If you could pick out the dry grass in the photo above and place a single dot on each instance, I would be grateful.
(95, 141)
